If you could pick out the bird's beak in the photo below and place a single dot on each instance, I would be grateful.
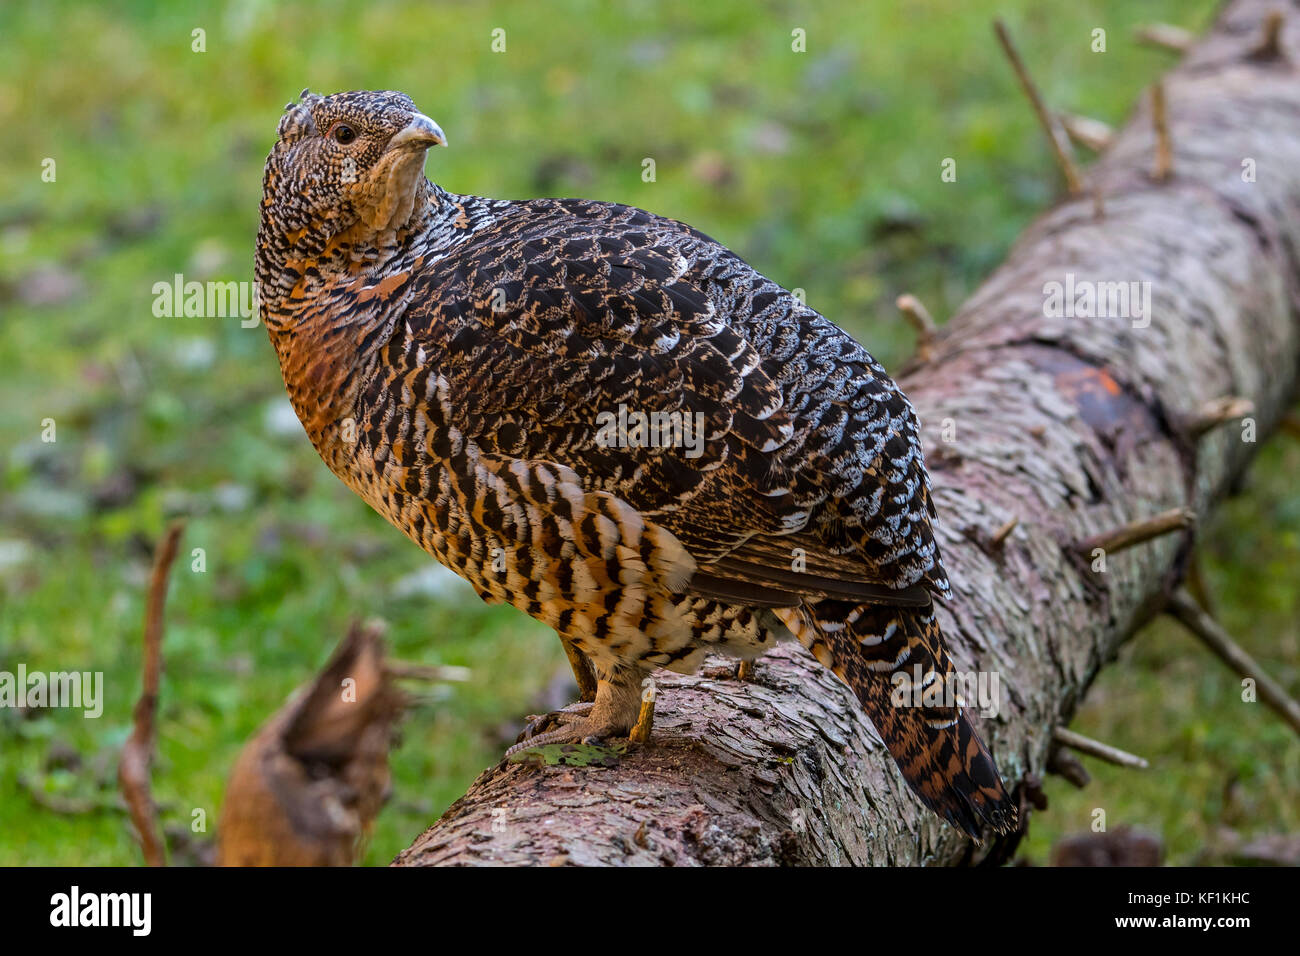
(421, 131)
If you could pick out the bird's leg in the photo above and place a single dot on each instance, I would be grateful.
(613, 713)
(583, 672)
(745, 670)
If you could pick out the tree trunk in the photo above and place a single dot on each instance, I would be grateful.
(1072, 424)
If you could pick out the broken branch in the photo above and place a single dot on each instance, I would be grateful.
(431, 673)
(999, 537)
(1136, 532)
(1270, 46)
(1060, 146)
(1164, 164)
(1217, 412)
(1165, 36)
(921, 320)
(1087, 132)
(1185, 609)
(1095, 748)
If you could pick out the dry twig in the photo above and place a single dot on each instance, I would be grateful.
(1270, 44)
(1095, 748)
(1060, 145)
(1218, 412)
(1087, 132)
(1164, 164)
(1165, 36)
(137, 752)
(921, 320)
(1136, 532)
(1185, 609)
(999, 537)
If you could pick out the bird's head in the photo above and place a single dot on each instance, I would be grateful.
(347, 167)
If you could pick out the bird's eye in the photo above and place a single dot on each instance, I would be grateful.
(343, 134)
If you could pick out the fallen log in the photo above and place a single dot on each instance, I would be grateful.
(1060, 407)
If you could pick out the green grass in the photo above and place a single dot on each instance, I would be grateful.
(822, 168)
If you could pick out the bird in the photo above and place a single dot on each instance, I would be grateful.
(612, 422)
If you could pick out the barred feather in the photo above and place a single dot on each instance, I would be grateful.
(933, 741)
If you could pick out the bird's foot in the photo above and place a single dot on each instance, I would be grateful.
(566, 726)
(618, 711)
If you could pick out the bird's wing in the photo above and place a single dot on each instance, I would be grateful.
(544, 329)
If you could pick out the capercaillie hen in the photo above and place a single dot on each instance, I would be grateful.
(457, 362)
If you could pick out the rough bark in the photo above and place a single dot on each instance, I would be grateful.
(1074, 426)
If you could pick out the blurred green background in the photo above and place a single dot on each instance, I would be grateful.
(821, 168)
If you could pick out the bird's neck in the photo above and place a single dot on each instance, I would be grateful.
(330, 303)
(296, 261)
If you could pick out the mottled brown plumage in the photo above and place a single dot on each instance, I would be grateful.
(462, 364)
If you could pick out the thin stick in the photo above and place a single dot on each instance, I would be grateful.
(435, 674)
(1164, 164)
(1087, 132)
(919, 316)
(1000, 536)
(1218, 412)
(1136, 532)
(1095, 748)
(1165, 36)
(1060, 145)
(1185, 609)
(1270, 47)
(137, 752)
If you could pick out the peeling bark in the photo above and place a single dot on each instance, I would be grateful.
(1073, 426)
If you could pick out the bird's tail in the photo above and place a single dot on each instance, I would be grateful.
(894, 660)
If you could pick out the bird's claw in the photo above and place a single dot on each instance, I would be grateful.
(537, 724)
